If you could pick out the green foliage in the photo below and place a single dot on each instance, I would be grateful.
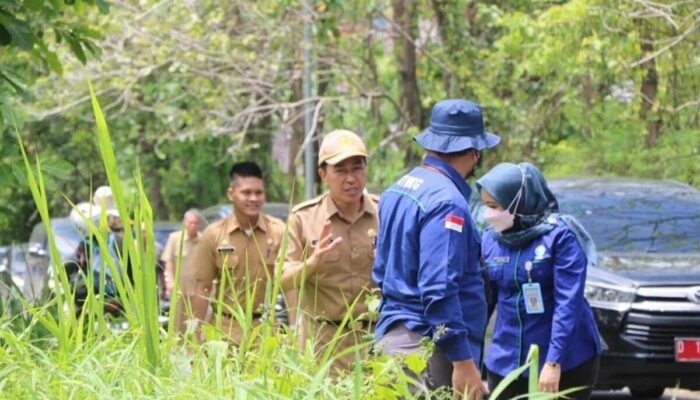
(30, 35)
(190, 88)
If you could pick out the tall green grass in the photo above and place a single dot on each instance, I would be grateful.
(47, 351)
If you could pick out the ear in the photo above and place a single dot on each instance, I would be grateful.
(229, 193)
(322, 173)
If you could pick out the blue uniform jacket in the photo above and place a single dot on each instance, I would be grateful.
(427, 263)
(566, 331)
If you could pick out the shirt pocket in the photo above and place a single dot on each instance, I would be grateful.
(271, 252)
(331, 257)
(495, 272)
(371, 248)
(542, 269)
(228, 261)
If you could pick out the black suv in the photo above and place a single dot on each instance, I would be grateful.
(645, 291)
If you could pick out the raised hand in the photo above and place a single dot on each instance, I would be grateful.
(323, 247)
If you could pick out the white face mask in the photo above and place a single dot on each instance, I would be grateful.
(499, 220)
(504, 219)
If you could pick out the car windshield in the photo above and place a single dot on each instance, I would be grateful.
(19, 261)
(649, 222)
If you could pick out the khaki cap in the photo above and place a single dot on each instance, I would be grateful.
(339, 145)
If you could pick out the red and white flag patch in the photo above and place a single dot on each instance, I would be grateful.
(454, 222)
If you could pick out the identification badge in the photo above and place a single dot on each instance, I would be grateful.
(501, 260)
(225, 249)
(533, 298)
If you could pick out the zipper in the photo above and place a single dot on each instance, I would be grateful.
(517, 308)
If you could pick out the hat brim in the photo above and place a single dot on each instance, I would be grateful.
(342, 156)
(432, 141)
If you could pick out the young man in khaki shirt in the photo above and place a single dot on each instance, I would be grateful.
(235, 257)
(330, 250)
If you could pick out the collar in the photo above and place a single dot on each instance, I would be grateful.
(232, 224)
(330, 209)
(196, 238)
(447, 170)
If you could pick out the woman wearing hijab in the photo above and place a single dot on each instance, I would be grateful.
(536, 261)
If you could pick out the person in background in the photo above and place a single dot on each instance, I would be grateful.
(234, 259)
(81, 216)
(330, 251)
(536, 261)
(193, 222)
(428, 255)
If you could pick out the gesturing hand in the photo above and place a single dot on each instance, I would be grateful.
(322, 248)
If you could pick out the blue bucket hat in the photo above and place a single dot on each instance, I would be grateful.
(456, 125)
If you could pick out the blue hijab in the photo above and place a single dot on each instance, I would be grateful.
(537, 210)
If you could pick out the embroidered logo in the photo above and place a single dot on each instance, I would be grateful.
(410, 182)
(540, 252)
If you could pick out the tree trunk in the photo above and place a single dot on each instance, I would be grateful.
(295, 141)
(371, 63)
(650, 87)
(441, 14)
(160, 212)
(588, 92)
(405, 54)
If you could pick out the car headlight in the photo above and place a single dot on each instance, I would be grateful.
(19, 282)
(609, 297)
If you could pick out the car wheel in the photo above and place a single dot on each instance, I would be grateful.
(647, 393)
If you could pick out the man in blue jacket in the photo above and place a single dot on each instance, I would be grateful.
(428, 254)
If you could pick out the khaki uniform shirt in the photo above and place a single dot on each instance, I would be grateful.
(347, 277)
(240, 259)
(172, 248)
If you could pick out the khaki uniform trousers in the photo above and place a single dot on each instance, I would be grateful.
(328, 336)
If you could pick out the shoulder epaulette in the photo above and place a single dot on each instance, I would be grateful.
(374, 197)
(274, 220)
(216, 225)
(308, 203)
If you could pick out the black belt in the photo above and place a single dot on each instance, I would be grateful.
(361, 324)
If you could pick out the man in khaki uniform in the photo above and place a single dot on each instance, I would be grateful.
(330, 250)
(235, 257)
(193, 222)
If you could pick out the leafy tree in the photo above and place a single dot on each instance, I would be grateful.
(579, 86)
(31, 33)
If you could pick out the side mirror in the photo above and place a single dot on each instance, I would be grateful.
(36, 250)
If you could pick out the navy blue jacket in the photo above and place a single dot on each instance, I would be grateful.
(566, 332)
(427, 263)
